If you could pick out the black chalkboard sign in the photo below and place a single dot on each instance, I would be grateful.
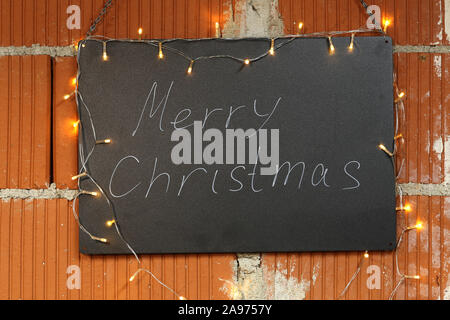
(180, 171)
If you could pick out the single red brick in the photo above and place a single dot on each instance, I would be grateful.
(25, 122)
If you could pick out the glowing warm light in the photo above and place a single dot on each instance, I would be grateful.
(272, 49)
(400, 96)
(182, 298)
(217, 30)
(74, 81)
(416, 277)
(110, 223)
(419, 226)
(94, 194)
(140, 31)
(366, 254)
(160, 55)
(67, 97)
(386, 24)
(189, 70)
(106, 141)
(134, 275)
(300, 27)
(332, 49)
(247, 61)
(79, 176)
(75, 124)
(383, 148)
(105, 54)
(406, 208)
(351, 46)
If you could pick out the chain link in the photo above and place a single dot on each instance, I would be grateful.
(365, 5)
(99, 18)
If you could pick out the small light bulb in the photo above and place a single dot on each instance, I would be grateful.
(366, 254)
(79, 176)
(110, 223)
(106, 141)
(99, 239)
(383, 148)
(160, 55)
(67, 97)
(140, 31)
(351, 46)
(75, 124)
(406, 208)
(132, 277)
(300, 27)
(400, 96)
(272, 49)
(419, 226)
(74, 81)
(416, 277)
(94, 194)
(189, 70)
(182, 298)
(105, 54)
(386, 24)
(247, 61)
(218, 33)
(332, 49)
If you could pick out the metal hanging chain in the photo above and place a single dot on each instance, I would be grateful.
(365, 5)
(99, 19)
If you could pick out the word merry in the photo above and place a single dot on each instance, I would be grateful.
(157, 103)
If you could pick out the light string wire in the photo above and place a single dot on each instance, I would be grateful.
(83, 173)
(400, 114)
(358, 269)
(163, 44)
(399, 118)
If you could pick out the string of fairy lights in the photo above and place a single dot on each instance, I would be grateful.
(404, 208)
(163, 47)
